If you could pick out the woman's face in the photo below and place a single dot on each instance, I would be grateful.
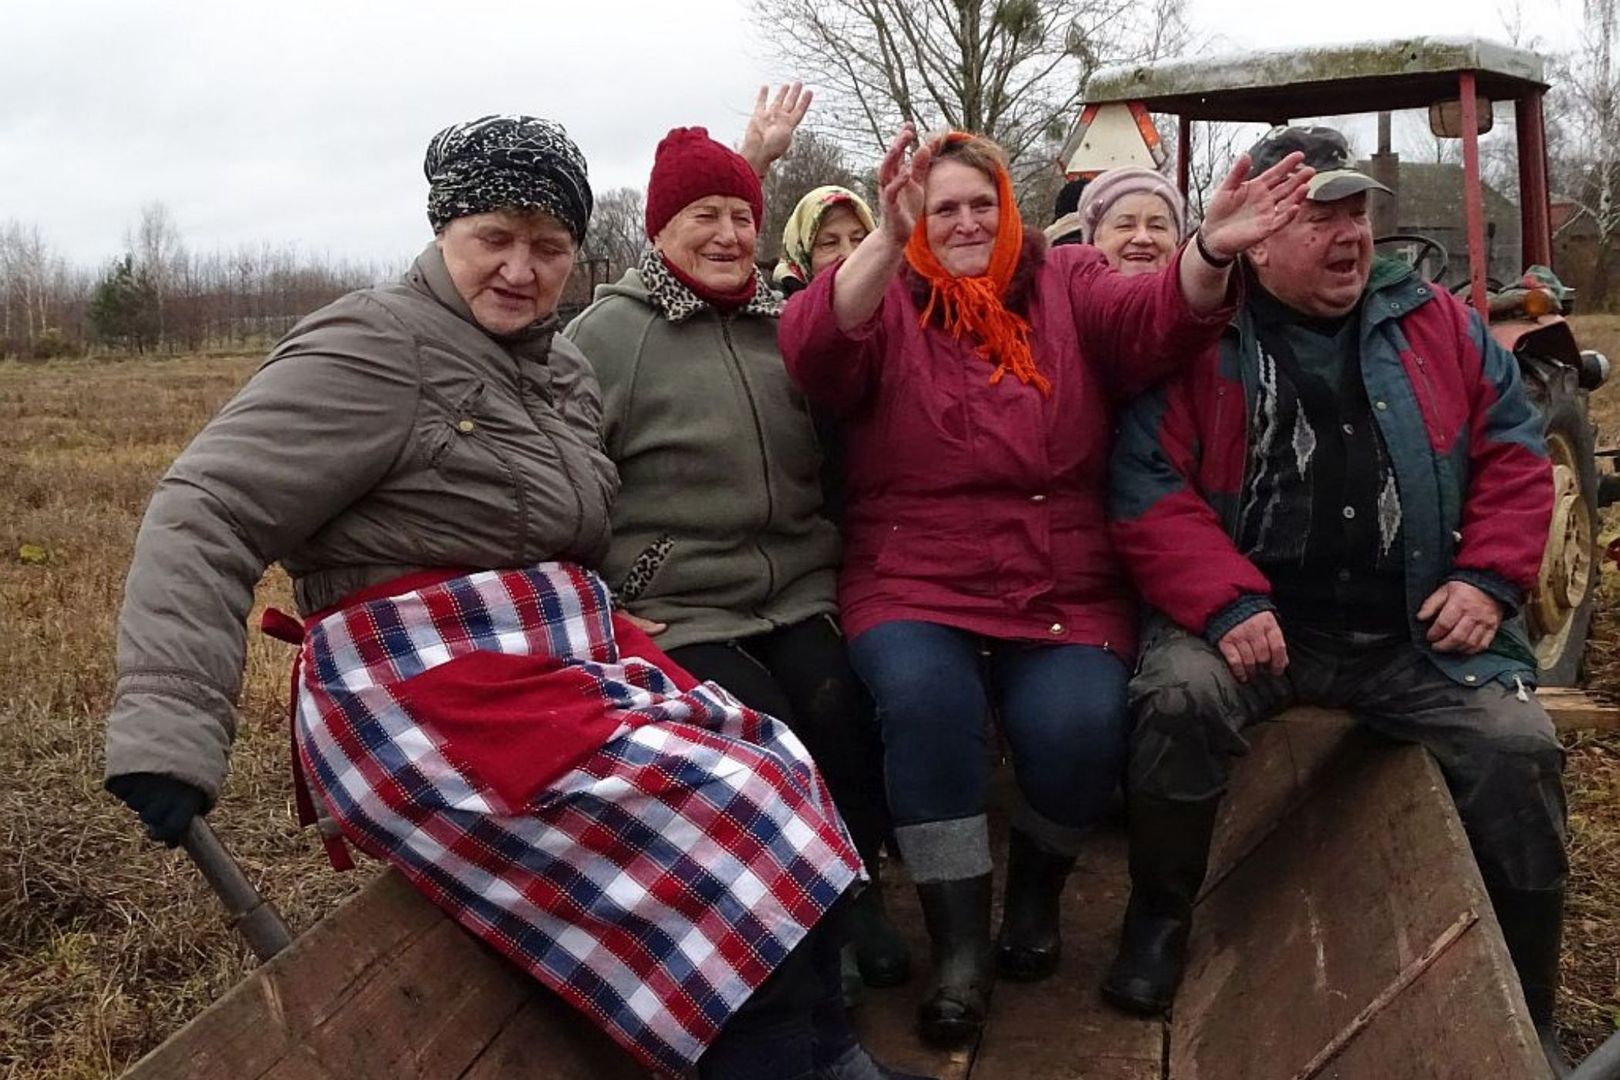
(510, 268)
(1138, 234)
(839, 233)
(712, 241)
(961, 211)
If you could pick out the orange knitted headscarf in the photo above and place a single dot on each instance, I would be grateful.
(973, 305)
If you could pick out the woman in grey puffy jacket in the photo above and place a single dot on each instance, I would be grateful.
(425, 461)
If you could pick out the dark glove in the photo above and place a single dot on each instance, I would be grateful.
(166, 805)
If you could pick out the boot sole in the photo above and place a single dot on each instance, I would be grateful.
(1027, 967)
(950, 1034)
(1134, 1004)
(883, 979)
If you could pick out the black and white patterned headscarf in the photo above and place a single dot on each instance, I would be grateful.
(507, 162)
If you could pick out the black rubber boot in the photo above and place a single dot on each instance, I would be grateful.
(957, 915)
(1169, 853)
(1030, 943)
(1533, 926)
(880, 952)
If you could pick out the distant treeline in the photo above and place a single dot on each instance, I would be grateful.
(158, 297)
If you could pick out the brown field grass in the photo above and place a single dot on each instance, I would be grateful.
(108, 943)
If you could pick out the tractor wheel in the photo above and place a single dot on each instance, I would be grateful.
(1559, 611)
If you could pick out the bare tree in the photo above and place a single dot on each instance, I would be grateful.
(154, 244)
(28, 303)
(813, 161)
(1585, 155)
(1213, 150)
(618, 229)
(1014, 70)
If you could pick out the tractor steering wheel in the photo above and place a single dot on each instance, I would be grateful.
(1426, 246)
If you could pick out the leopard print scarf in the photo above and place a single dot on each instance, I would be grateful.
(678, 303)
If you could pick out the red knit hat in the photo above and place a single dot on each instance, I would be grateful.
(688, 166)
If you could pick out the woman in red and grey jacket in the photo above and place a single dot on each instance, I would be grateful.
(977, 572)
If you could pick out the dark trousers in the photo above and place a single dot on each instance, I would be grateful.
(1496, 748)
(1061, 708)
(800, 674)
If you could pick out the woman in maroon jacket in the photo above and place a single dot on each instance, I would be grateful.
(977, 571)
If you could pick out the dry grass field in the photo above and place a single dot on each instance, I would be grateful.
(108, 943)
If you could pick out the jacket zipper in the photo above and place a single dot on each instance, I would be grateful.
(526, 386)
(1235, 525)
(764, 462)
(476, 433)
(1429, 397)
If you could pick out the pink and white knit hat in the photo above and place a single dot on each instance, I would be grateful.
(1110, 187)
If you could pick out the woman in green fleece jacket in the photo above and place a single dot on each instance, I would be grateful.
(718, 533)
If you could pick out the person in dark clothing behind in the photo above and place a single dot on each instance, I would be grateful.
(1359, 534)
(1066, 225)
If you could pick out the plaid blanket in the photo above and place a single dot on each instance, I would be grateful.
(644, 845)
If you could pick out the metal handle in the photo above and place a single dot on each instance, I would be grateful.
(1604, 1064)
(254, 917)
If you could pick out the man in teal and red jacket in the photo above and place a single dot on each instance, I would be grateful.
(1345, 504)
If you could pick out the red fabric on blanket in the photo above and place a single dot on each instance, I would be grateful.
(633, 641)
(520, 722)
(656, 883)
(516, 723)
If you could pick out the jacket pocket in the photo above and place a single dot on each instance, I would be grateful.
(469, 469)
(1442, 415)
(949, 559)
(463, 430)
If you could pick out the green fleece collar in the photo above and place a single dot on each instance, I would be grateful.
(1394, 290)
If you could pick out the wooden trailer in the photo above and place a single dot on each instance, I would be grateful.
(1343, 932)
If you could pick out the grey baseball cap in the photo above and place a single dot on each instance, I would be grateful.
(1325, 151)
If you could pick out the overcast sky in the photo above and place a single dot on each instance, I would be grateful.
(304, 121)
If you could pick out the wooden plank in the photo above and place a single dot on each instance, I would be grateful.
(1061, 1028)
(299, 1064)
(262, 1018)
(548, 1039)
(1325, 913)
(1455, 995)
(1578, 710)
(427, 1015)
(1285, 758)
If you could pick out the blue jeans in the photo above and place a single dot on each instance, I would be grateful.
(1062, 709)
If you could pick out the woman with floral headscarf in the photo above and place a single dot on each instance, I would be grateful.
(425, 460)
(827, 225)
(975, 373)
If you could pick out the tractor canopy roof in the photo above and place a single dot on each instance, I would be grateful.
(1273, 86)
